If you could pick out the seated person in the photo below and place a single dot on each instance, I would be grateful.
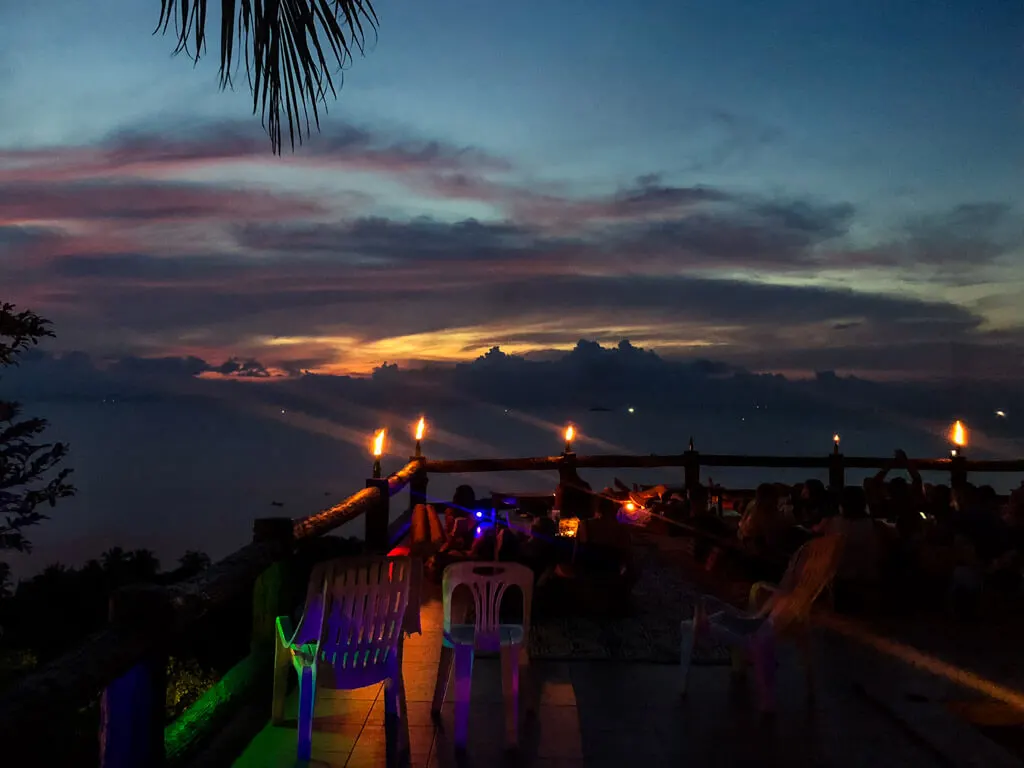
(458, 518)
(539, 551)
(574, 496)
(706, 520)
(603, 544)
(763, 523)
(813, 502)
(426, 533)
(861, 554)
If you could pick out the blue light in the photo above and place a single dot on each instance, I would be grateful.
(478, 529)
(479, 514)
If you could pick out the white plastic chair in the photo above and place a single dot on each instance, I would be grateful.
(350, 636)
(786, 613)
(487, 582)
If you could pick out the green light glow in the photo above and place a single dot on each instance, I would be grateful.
(203, 717)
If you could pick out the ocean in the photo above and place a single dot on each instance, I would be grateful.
(193, 474)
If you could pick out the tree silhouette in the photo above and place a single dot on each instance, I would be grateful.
(6, 589)
(287, 45)
(143, 565)
(114, 560)
(193, 562)
(122, 568)
(28, 476)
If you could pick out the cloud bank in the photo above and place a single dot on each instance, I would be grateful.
(378, 246)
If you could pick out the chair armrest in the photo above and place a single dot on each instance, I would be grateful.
(285, 630)
(547, 574)
(757, 590)
(711, 604)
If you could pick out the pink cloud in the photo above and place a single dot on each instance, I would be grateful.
(146, 202)
(153, 153)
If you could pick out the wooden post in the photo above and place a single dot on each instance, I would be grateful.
(836, 472)
(691, 468)
(271, 591)
(418, 485)
(133, 707)
(377, 517)
(958, 470)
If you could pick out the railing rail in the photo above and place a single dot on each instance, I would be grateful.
(612, 461)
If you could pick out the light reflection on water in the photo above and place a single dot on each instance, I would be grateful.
(171, 477)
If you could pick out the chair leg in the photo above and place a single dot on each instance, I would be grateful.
(526, 686)
(689, 639)
(444, 676)
(510, 692)
(396, 723)
(803, 640)
(463, 687)
(282, 668)
(763, 651)
(307, 699)
(738, 662)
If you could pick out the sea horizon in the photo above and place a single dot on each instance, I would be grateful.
(194, 474)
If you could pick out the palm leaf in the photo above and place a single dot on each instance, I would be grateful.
(287, 62)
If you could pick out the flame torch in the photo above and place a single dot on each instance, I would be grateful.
(835, 443)
(378, 451)
(421, 428)
(958, 436)
(570, 433)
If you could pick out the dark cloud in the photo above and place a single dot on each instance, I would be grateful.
(244, 368)
(951, 245)
(19, 236)
(614, 376)
(285, 281)
(728, 232)
(140, 267)
(232, 301)
(207, 144)
(937, 360)
(383, 241)
(146, 202)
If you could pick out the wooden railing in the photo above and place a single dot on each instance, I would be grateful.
(127, 661)
(692, 461)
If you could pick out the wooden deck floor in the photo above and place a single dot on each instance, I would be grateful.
(607, 714)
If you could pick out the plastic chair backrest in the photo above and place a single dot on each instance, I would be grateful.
(810, 571)
(365, 599)
(310, 624)
(487, 582)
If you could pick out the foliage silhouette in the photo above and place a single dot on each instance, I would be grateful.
(284, 46)
(27, 467)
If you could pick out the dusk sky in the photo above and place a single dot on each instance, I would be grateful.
(784, 185)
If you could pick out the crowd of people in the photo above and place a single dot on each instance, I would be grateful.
(940, 545)
(943, 545)
(463, 530)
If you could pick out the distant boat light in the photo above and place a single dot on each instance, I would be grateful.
(631, 409)
(1001, 414)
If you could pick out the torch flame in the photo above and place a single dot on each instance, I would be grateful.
(378, 443)
(959, 434)
(630, 506)
(570, 433)
(421, 427)
(835, 438)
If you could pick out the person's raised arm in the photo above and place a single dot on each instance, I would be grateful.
(915, 477)
(883, 473)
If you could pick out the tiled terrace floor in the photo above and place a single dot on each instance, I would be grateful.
(607, 715)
